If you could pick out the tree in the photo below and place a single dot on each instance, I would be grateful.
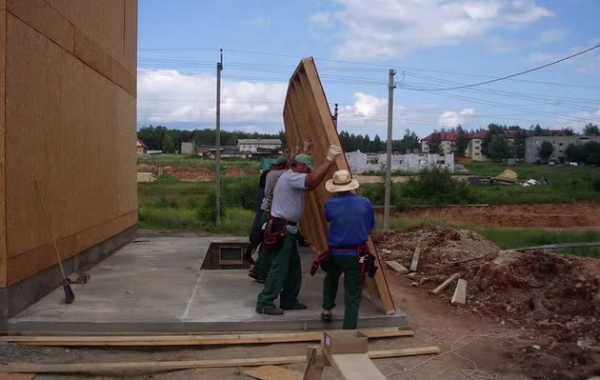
(462, 141)
(576, 153)
(168, 144)
(498, 148)
(435, 140)
(545, 150)
(591, 130)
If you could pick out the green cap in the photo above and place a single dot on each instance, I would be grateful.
(305, 159)
(266, 164)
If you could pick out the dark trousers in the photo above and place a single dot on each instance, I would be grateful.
(263, 264)
(347, 265)
(285, 276)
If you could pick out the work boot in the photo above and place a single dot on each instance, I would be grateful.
(297, 306)
(269, 310)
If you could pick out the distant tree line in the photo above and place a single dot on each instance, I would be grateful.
(409, 143)
(169, 140)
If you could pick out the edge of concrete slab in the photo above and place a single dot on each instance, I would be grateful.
(19, 296)
(398, 320)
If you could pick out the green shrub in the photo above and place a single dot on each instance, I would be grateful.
(596, 185)
(167, 218)
(375, 192)
(241, 192)
(436, 186)
(237, 221)
(206, 212)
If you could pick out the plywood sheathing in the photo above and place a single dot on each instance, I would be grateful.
(3, 265)
(71, 126)
(307, 115)
(83, 38)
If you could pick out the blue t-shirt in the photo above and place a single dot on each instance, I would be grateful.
(350, 218)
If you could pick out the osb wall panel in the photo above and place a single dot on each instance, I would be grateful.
(72, 130)
(108, 22)
(2, 145)
(81, 40)
(307, 115)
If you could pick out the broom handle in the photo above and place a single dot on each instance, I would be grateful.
(49, 228)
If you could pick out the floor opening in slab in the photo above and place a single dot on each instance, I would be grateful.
(226, 255)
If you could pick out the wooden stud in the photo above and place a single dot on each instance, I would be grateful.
(445, 284)
(460, 293)
(414, 263)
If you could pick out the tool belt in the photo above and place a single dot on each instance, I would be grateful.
(274, 234)
(366, 261)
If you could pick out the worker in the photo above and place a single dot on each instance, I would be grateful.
(263, 263)
(259, 218)
(351, 220)
(281, 235)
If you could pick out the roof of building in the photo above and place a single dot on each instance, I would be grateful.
(453, 136)
(259, 141)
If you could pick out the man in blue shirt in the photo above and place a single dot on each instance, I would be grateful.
(351, 220)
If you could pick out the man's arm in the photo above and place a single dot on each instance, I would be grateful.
(318, 174)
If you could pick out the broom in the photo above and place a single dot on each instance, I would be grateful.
(69, 295)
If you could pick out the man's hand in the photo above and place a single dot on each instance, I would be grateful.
(308, 145)
(334, 151)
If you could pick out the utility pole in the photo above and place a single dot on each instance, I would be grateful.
(218, 139)
(335, 116)
(388, 165)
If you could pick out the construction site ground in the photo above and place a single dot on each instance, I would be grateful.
(531, 315)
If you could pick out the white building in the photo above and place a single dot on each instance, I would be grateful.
(187, 148)
(360, 162)
(255, 145)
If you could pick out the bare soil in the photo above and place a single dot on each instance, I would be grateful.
(572, 215)
(554, 299)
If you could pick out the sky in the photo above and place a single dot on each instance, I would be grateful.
(431, 44)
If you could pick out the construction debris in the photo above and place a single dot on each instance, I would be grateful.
(507, 177)
(559, 295)
(445, 284)
(397, 267)
(414, 263)
(460, 293)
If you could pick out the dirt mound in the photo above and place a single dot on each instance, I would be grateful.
(557, 296)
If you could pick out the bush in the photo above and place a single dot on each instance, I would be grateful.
(206, 212)
(596, 185)
(167, 218)
(241, 193)
(375, 192)
(436, 186)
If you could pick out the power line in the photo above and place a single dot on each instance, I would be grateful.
(509, 76)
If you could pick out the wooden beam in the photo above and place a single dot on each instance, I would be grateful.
(162, 366)
(271, 372)
(446, 283)
(191, 340)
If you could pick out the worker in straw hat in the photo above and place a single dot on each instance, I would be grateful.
(281, 234)
(351, 220)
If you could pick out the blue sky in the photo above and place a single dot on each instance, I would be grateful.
(431, 44)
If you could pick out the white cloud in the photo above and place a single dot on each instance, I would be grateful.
(391, 28)
(552, 36)
(261, 21)
(451, 119)
(169, 96)
(322, 19)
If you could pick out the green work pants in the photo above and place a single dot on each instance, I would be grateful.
(348, 265)
(263, 263)
(285, 276)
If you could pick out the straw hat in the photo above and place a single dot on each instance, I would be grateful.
(341, 181)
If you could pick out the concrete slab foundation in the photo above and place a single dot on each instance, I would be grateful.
(19, 296)
(155, 285)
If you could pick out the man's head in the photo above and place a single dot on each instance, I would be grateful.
(303, 163)
(341, 182)
(279, 163)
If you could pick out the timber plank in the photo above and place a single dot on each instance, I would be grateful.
(150, 366)
(191, 340)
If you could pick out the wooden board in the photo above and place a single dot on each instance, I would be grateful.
(70, 125)
(149, 366)
(355, 367)
(3, 264)
(307, 115)
(192, 340)
(271, 372)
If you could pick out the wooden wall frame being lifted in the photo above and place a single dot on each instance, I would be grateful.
(306, 114)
